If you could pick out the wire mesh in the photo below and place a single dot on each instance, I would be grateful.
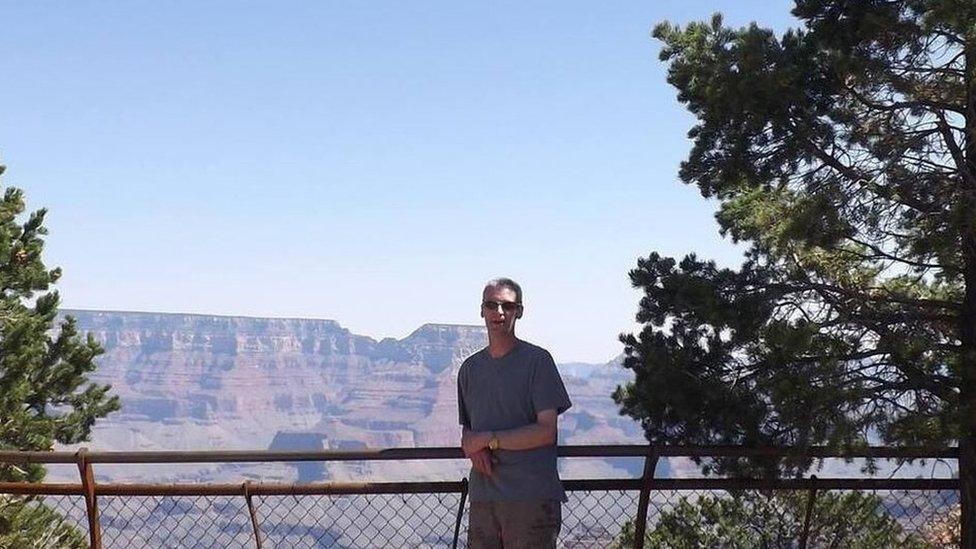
(59, 519)
(132, 522)
(70, 508)
(591, 519)
(373, 520)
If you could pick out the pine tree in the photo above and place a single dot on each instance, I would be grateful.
(45, 392)
(775, 520)
(843, 153)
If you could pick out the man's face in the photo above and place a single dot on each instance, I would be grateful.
(500, 309)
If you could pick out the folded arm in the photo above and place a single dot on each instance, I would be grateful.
(534, 435)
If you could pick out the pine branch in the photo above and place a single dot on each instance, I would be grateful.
(926, 104)
(880, 253)
(957, 155)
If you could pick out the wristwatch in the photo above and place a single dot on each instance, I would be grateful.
(493, 442)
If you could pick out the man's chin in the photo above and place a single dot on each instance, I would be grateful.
(499, 329)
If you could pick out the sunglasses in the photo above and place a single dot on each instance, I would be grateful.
(507, 306)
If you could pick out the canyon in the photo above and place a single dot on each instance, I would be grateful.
(206, 382)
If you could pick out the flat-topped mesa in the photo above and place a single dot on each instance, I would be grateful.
(227, 335)
(141, 319)
(435, 346)
(161, 332)
(170, 365)
(214, 369)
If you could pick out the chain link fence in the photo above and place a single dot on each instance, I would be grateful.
(363, 520)
(600, 513)
(591, 519)
(131, 522)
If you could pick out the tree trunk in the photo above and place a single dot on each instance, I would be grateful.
(967, 491)
(967, 398)
(967, 389)
(967, 325)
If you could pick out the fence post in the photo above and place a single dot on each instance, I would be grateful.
(91, 503)
(253, 513)
(460, 513)
(811, 499)
(650, 464)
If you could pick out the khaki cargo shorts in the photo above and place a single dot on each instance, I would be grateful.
(514, 524)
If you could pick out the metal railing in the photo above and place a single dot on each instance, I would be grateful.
(601, 511)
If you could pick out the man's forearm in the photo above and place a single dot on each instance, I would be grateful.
(528, 437)
(534, 435)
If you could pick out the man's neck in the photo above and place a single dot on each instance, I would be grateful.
(501, 344)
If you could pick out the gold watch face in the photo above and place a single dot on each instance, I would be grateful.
(493, 443)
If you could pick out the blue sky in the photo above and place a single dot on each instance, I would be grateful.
(368, 162)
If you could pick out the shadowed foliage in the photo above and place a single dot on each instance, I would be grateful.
(775, 520)
(843, 154)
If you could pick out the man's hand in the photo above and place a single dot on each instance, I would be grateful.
(481, 461)
(474, 441)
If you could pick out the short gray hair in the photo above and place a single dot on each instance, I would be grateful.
(502, 282)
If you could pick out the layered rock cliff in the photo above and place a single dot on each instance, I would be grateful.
(195, 382)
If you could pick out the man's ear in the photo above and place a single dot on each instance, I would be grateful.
(521, 310)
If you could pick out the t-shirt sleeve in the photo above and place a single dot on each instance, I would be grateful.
(463, 418)
(548, 391)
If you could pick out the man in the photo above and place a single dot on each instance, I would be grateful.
(509, 398)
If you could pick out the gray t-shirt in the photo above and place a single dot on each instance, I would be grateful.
(505, 393)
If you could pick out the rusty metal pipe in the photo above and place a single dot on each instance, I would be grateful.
(811, 500)
(581, 485)
(91, 501)
(253, 513)
(643, 501)
(598, 451)
(460, 513)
